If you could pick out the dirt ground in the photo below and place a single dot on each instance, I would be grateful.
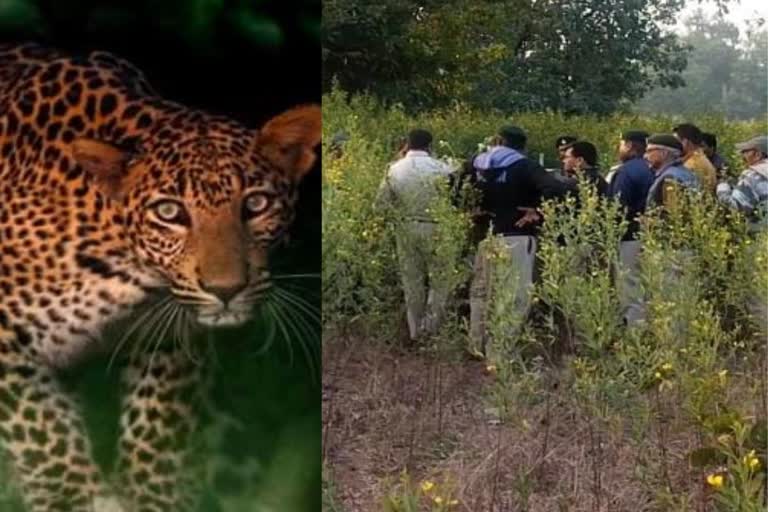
(386, 409)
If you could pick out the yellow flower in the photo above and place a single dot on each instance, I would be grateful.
(438, 500)
(427, 486)
(667, 367)
(491, 368)
(453, 503)
(751, 460)
(657, 375)
(716, 481)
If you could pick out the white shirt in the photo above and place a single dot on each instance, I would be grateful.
(412, 183)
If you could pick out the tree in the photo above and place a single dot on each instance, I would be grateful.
(363, 41)
(568, 55)
(726, 72)
(747, 93)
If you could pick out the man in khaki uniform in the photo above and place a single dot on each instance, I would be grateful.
(410, 188)
(690, 138)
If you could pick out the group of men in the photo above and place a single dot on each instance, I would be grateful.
(653, 169)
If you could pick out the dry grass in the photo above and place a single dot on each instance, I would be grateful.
(386, 409)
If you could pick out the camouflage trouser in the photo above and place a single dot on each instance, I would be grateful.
(522, 256)
(425, 296)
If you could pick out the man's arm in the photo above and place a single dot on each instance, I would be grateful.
(621, 186)
(742, 197)
(550, 184)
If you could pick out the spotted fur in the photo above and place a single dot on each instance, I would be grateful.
(109, 193)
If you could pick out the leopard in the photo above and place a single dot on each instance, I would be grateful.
(110, 195)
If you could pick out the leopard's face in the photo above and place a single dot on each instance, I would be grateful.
(207, 231)
(200, 214)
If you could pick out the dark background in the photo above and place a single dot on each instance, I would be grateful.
(249, 60)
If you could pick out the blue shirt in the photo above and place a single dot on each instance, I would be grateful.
(631, 183)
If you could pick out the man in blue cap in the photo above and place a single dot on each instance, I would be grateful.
(561, 144)
(632, 179)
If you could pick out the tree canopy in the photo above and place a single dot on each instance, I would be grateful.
(573, 56)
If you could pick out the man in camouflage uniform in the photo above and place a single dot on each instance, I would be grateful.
(750, 196)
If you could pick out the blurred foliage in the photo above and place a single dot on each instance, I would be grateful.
(197, 23)
(726, 71)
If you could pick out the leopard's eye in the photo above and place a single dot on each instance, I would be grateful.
(170, 211)
(255, 204)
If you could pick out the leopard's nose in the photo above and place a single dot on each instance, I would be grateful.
(225, 293)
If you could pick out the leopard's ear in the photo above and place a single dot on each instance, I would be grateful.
(289, 139)
(106, 163)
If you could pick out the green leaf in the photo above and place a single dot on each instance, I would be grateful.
(723, 423)
(258, 28)
(20, 15)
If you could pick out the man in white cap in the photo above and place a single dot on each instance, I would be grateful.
(663, 153)
(750, 195)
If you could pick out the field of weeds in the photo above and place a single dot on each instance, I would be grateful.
(572, 409)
